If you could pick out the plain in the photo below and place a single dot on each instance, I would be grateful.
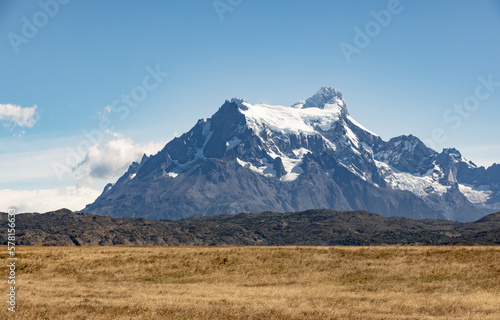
(384, 282)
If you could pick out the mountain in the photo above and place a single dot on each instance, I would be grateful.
(312, 227)
(311, 155)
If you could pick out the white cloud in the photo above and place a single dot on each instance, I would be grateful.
(44, 200)
(112, 160)
(22, 117)
(114, 134)
(21, 171)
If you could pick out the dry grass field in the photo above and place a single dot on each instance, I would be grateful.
(256, 283)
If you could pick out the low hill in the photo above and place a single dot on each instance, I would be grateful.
(312, 227)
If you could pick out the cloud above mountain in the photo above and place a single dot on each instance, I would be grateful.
(98, 165)
(112, 160)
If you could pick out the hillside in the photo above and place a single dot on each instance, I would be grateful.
(312, 227)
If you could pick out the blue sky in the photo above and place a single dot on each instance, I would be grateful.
(424, 60)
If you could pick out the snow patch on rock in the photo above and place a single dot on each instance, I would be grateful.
(419, 185)
(232, 143)
(266, 169)
(475, 195)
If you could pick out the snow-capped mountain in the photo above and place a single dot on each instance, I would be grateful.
(311, 155)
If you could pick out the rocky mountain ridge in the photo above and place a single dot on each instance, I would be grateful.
(311, 155)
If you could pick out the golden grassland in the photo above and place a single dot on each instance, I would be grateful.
(255, 283)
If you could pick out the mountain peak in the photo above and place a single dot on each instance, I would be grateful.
(241, 103)
(325, 98)
(452, 151)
